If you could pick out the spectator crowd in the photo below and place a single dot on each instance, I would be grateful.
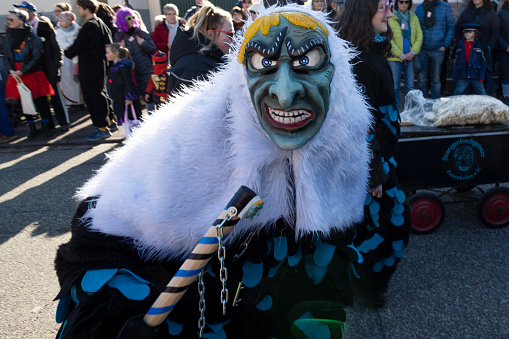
(113, 65)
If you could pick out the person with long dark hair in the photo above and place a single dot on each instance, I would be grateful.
(383, 234)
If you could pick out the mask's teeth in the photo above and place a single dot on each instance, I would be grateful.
(285, 117)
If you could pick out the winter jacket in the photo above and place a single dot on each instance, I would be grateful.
(476, 66)
(52, 55)
(89, 46)
(121, 87)
(503, 39)
(188, 63)
(31, 54)
(141, 55)
(486, 19)
(160, 35)
(397, 39)
(441, 34)
(65, 37)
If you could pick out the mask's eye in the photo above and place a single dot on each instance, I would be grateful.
(310, 59)
(258, 61)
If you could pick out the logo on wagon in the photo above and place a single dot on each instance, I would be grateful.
(462, 158)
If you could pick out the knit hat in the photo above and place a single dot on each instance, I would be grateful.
(160, 61)
(27, 5)
(67, 17)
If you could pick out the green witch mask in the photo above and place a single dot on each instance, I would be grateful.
(289, 72)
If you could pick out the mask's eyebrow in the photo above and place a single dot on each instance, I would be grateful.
(272, 51)
(305, 47)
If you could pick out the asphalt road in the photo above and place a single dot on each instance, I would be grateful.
(453, 283)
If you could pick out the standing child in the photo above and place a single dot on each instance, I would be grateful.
(122, 89)
(157, 88)
(470, 64)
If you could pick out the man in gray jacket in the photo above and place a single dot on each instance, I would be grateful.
(437, 23)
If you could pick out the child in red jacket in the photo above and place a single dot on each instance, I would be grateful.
(158, 82)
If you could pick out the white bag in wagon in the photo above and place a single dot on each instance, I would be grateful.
(468, 110)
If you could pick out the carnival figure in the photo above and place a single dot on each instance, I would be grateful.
(283, 117)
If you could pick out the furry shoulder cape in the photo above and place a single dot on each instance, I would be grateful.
(167, 185)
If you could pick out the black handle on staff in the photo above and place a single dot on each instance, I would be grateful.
(244, 204)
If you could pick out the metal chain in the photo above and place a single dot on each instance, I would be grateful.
(223, 273)
(201, 305)
(243, 247)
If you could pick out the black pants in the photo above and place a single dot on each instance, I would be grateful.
(96, 99)
(42, 106)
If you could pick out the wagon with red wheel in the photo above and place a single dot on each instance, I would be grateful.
(458, 158)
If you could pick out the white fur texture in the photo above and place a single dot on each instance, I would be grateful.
(167, 185)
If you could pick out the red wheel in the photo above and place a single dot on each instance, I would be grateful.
(493, 208)
(427, 212)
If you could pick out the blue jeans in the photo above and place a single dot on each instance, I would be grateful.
(408, 69)
(462, 85)
(432, 58)
(5, 122)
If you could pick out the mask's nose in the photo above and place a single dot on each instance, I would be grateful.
(285, 89)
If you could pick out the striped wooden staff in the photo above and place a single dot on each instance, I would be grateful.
(244, 204)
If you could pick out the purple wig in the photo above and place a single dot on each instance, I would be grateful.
(121, 22)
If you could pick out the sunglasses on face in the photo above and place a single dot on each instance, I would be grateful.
(230, 33)
(129, 17)
(247, 2)
(404, 2)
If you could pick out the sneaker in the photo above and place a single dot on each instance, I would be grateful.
(4, 138)
(99, 135)
(113, 127)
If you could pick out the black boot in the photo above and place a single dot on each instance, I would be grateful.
(33, 132)
(46, 129)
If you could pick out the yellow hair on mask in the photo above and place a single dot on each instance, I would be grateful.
(264, 23)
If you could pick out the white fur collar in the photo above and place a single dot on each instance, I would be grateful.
(167, 185)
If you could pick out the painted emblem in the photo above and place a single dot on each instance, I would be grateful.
(463, 159)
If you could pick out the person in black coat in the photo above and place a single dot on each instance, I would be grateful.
(89, 46)
(197, 51)
(383, 234)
